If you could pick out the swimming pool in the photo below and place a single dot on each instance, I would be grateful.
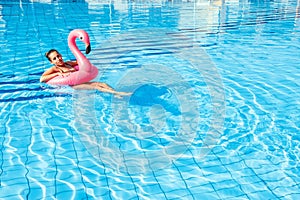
(213, 114)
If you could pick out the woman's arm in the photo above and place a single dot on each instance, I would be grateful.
(49, 74)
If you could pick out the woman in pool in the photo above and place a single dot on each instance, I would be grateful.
(62, 68)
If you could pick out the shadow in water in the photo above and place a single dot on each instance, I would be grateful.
(150, 95)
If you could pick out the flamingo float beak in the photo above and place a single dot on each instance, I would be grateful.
(88, 49)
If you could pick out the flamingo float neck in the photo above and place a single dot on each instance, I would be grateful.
(81, 59)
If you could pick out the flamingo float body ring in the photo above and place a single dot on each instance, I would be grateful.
(85, 70)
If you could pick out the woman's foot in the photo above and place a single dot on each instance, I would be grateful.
(120, 95)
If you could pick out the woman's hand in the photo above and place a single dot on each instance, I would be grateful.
(64, 74)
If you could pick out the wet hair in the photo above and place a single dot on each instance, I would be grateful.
(50, 51)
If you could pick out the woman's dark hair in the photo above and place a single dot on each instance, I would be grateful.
(50, 51)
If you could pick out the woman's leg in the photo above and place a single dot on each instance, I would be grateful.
(103, 87)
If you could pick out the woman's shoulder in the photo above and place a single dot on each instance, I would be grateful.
(72, 63)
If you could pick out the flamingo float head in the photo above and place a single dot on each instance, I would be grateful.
(83, 36)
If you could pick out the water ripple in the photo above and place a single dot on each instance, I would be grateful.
(55, 142)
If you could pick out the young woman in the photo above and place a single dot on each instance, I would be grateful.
(62, 68)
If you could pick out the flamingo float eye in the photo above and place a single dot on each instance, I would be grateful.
(81, 38)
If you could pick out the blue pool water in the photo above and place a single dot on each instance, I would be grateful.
(214, 112)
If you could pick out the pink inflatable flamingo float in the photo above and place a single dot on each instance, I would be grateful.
(85, 70)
